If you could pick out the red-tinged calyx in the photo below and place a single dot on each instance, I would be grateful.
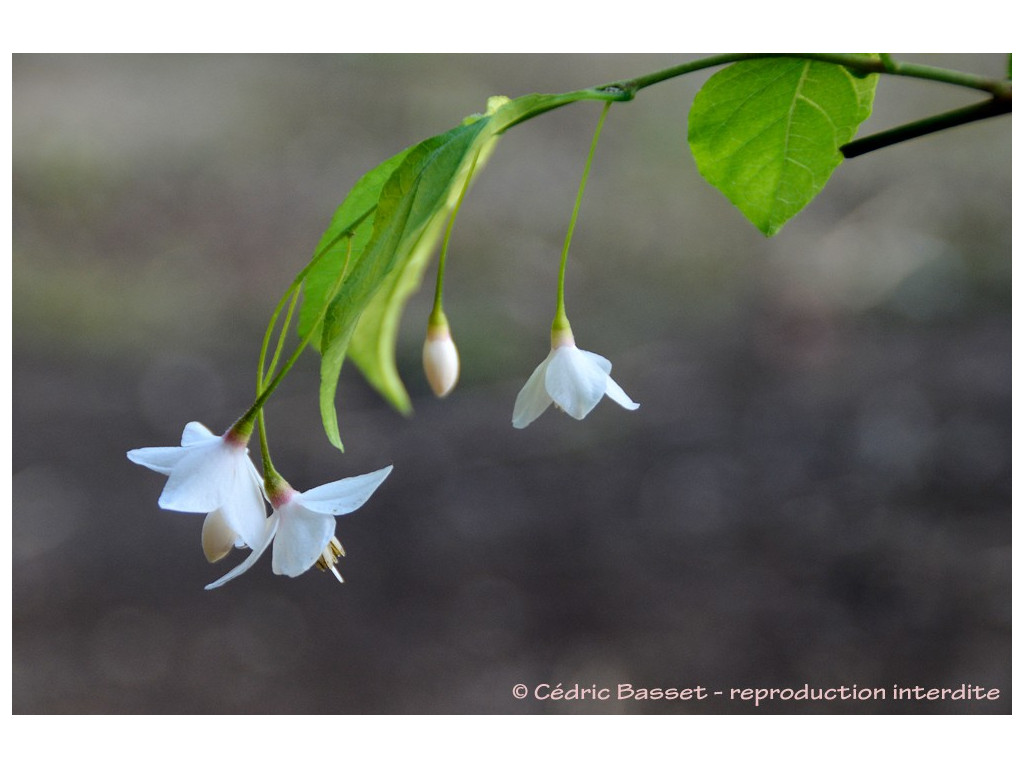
(562, 337)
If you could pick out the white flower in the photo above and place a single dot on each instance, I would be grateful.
(571, 378)
(211, 474)
(302, 526)
(440, 360)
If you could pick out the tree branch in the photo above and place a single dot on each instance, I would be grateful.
(962, 116)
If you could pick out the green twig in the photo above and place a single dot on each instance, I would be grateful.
(861, 64)
(437, 313)
(255, 411)
(561, 322)
(985, 109)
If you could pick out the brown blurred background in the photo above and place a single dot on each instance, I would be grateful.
(816, 488)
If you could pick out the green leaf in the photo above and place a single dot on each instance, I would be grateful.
(372, 346)
(398, 212)
(321, 275)
(409, 200)
(767, 133)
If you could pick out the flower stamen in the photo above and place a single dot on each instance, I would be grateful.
(330, 556)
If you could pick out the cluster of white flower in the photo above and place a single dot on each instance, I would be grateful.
(213, 475)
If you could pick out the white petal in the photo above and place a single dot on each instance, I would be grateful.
(601, 362)
(161, 460)
(533, 398)
(219, 538)
(342, 496)
(269, 530)
(199, 480)
(616, 393)
(242, 505)
(195, 432)
(301, 539)
(576, 382)
(613, 390)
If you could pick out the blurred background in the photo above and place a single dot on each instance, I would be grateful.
(816, 488)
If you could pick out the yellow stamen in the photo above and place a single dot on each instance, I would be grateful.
(330, 556)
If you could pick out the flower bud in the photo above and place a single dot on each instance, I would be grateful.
(440, 359)
(219, 537)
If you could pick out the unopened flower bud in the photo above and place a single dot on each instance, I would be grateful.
(219, 537)
(440, 359)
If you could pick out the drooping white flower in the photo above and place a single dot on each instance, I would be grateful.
(440, 359)
(301, 526)
(571, 378)
(211, 474)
